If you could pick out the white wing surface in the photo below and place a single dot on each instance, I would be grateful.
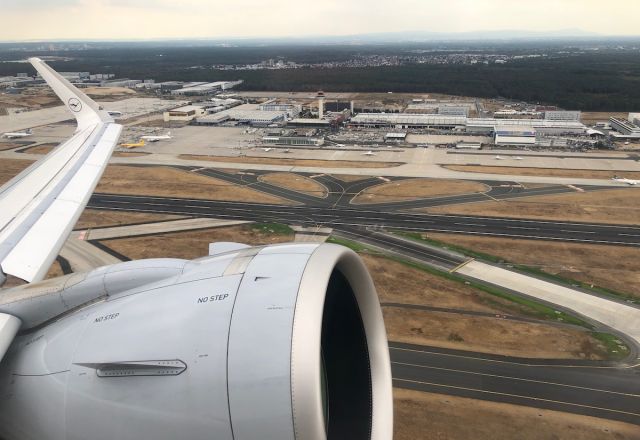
(39, 207)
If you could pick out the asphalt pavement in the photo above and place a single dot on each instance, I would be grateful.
(587, 388)
(365, 217)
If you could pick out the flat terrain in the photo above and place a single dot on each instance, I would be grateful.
(192, 244)
(41, 149)
(293, 162)
(295, 182)
(490, 335)
(170, 182)
(412, 189)
(398, 283)
(545, 172)
(590, 118)
(615, 206)
(129, 153)
(8, 145)
(428, 416)
(95, 218)
(612, 267)
(10, 168)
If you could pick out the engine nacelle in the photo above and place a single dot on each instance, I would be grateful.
(281, 342)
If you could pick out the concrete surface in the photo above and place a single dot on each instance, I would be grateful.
(158, 228)
(621, 317)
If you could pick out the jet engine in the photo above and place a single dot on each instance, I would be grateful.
(271, 343)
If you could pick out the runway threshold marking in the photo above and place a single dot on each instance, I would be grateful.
(497, 361)
(517, 378)
(538, 399)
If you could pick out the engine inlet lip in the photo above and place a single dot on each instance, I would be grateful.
(306, 388)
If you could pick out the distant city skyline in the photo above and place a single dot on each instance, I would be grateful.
(27, 20)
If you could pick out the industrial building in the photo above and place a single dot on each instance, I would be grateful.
(319, 123)
(453, 110)
(184, 114)
(204, 88)
(395, 137)
(515, 136)
(634, 118)
(489, 125)
(292, 110)
(405, 120)
(625, 128)
(562, 115)
(255, 117)
(212, 119)
(472, 125)
(293, 140)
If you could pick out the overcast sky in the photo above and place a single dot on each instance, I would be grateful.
(143, 19)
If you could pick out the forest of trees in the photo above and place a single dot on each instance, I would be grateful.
(599, 81)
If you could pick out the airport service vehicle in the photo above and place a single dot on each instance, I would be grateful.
(156, 138)
(270, 343)
(18, 134)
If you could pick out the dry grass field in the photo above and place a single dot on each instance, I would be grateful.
(612, 267)
(169, 182)
(490, 335)
(41, 149)
(94, 218)
(192, 244)
(295, 182)
(398, 283)
(616, 206)
(429, 416)
(412, 189)
(10, 168)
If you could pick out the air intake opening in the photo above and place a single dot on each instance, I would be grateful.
(346, 368)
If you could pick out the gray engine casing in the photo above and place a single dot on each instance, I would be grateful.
(281, 342)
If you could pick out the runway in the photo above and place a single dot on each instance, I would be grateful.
(588, 388)
(365, 217)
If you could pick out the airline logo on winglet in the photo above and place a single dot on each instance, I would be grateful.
(75, 104)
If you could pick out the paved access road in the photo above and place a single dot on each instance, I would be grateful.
(588, 388)
(339, 216)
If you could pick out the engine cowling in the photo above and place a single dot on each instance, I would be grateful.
(281, 342)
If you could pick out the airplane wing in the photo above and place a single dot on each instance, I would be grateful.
(39, 207)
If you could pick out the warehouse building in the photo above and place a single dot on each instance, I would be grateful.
(211, 119)
(395, 137)
(454, 110)
(625, 128)
(184, 114)
(406, 120)
(489, 125)
(293, 141)
(255, 117)
(562, 115)
(292, 111)
(205, 88)
(515, 136)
